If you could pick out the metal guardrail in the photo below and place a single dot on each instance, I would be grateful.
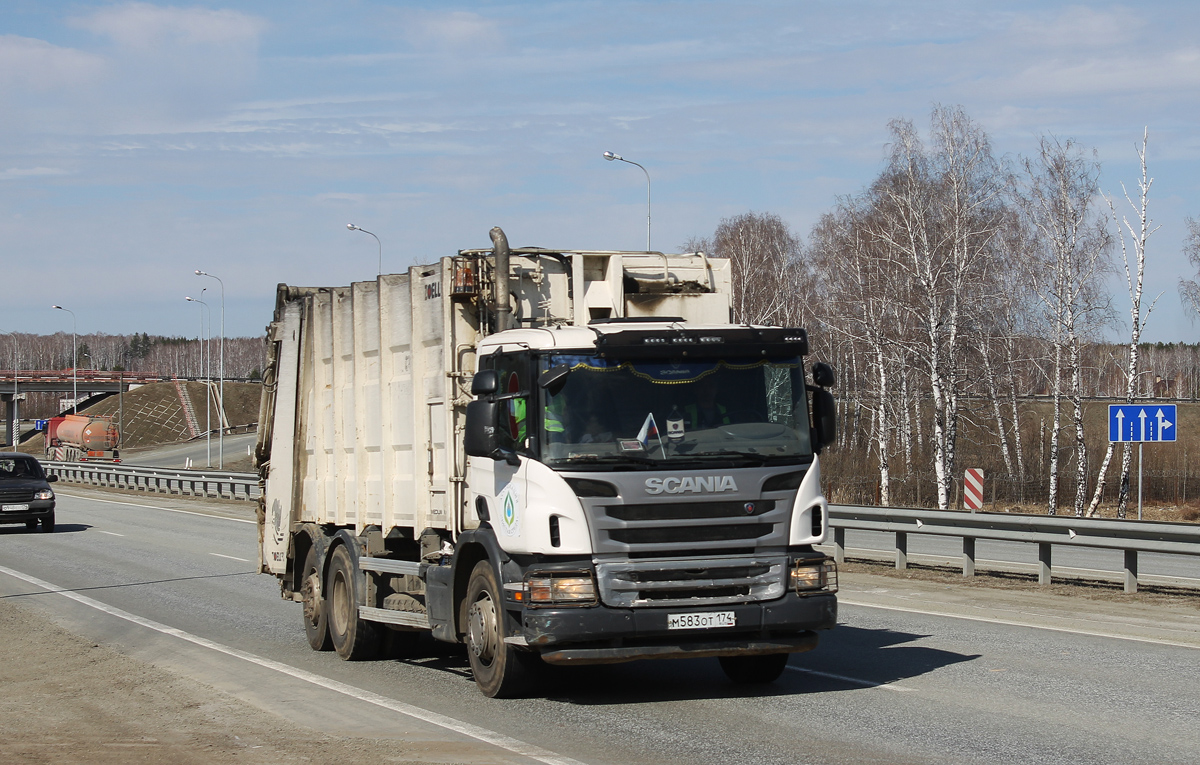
(196, 483)
(1045, 531)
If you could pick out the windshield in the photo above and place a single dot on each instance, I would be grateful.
(19, 468)
(609, 411)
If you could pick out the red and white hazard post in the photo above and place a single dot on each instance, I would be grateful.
(973, 489)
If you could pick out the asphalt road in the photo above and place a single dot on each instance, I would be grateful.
(202, 453)
(915, 672)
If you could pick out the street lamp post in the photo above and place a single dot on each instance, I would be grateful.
(207, 379)
(353, 227)
(74, 361)
(221, 413)
(610, 157)
(16, 409)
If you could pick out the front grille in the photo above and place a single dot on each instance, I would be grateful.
(688, 534)
(677, 511)
(673, 528)
(691, 581)
(16, 494)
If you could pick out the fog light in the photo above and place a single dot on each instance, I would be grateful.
(814, 575)
(567, 589)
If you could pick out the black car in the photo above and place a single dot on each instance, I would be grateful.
(25, 493)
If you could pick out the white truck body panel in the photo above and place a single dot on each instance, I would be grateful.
(372, 381)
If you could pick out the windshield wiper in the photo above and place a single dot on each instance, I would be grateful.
(598, 458)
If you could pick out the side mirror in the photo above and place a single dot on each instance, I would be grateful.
(485, 383)
(481, 433)
(823, 375)
(554, 378)
(51, 478)
(480, 436)
(824, 419)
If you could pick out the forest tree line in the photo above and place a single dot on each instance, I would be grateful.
(962, 298)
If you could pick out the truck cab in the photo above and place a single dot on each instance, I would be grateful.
(655, 487)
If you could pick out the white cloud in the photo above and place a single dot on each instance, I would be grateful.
(36, 64)
(142, 26)
(1079, 27)
(29, 172)
(461, 30)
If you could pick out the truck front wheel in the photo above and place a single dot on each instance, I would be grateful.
(316, 614)
(354, 639)
(746, 670)
(500, 670)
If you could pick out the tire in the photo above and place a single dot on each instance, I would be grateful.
(500, 670)
(748, 670)
(316, 608)
(48, 523)
(353, 638)
(31, 525)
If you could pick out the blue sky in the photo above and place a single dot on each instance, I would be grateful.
(141, 141)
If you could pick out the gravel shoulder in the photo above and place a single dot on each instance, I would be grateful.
(67, 700)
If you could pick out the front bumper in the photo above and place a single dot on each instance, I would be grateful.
(603, 635)
(38, 509)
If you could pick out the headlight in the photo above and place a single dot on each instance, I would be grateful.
(819, 575)
(44, 494)
(571, 588)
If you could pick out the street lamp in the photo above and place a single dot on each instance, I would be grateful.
(16, 409)
(610, 157)
(221, 414)
(74, 362)
(207, 380)
(353, 227)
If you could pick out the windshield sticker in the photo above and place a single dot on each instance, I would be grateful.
(510, 510)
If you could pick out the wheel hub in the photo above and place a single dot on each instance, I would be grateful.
(310, 593)
(482, 629)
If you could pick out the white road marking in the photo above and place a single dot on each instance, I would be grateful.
(449, 723)
(219, 555)
(1014, 623)
(157, 507)
(110, 533)
(853, 680)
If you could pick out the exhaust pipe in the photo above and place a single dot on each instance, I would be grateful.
(501, 252)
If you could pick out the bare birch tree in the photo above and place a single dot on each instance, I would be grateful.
(940, 211)
(1189, 289)
(1061, 189)
(1138, 231)
(764, 255)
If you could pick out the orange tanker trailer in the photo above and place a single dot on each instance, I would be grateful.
(80, 437)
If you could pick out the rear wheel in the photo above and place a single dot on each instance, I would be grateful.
(746, 670)
(500, 670)
(354, 639)
(316, 611)
(48, 522)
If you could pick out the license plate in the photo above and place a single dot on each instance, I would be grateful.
(706, 621)
(14, 508)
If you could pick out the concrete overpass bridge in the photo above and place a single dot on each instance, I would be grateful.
(15, 384)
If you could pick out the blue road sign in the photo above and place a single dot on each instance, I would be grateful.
(1142, 422)
(39, 424)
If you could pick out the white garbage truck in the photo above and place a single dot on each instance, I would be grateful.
(555, 457)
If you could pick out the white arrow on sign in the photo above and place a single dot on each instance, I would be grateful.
(1120, 425)
(1163, 424)
(1142, 417)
